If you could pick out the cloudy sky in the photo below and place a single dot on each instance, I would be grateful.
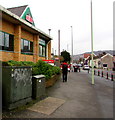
(61, 14)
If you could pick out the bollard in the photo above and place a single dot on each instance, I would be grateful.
(111, 77)
(98, 73)
(102, 73)
(94, 72)
(107, 75)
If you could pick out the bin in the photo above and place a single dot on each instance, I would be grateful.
(38, 87)
(16, 86)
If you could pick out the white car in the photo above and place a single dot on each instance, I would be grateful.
(86, 67)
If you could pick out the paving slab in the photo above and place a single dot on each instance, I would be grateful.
(47, 106)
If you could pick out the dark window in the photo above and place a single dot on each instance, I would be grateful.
(26, 47)
(6, 41)
(104, 65)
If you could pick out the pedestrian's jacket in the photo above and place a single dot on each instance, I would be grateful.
(64, 68)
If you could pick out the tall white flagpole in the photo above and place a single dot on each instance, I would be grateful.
(92, 45)
(72, 44)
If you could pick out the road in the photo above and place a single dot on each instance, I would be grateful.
(82, 99)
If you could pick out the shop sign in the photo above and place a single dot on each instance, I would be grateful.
(51, 62)
(29, 18)
(42, 42)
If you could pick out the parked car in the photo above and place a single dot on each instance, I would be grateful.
(86, 67)
(76, 68)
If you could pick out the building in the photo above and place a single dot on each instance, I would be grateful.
(105, 61)
(87, 59)
(20, 40)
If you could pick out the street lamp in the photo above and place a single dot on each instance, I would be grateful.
(49, 31)
(92, 45)
(72, 44)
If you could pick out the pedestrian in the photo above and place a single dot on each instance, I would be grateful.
(64, 71)
(69, 68)
(72, 68)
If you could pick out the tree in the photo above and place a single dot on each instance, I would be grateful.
(66, 56)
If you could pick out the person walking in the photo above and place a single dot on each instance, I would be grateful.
(64, 71)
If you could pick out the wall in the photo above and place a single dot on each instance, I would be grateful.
(19, 33)
(26, 57)
(7, 27)
(27, 35)
(109, 60)
(5, 56)
(49, 50)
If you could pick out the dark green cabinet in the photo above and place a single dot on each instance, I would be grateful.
(38, 86)
(16, 86)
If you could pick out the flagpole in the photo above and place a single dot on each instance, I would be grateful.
(72, 44)
(92, 45)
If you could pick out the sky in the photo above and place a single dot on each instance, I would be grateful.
(62, 14)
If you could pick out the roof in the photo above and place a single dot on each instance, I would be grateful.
(86, 55)
(11, 17)
(17, 10)
(107, 55)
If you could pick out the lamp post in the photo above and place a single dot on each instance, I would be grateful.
(92, 45)
(49, 31)
(72, 44)
(59, 43)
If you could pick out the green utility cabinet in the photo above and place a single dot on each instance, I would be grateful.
(38, 86)
(16, 86)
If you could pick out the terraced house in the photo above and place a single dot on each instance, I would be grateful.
(20, 40)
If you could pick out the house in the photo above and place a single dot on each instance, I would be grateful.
(106, 61)
(86, 57)
(20, 39)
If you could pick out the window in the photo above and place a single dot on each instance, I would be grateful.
(6, 41)
(26, 47)
(105, 65)
(42, 48)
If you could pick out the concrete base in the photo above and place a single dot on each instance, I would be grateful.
(17, 104)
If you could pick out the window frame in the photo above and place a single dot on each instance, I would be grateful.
(10, 45)
(43, 47)
(27, 51)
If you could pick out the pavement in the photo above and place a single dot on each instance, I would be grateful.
(81, 98)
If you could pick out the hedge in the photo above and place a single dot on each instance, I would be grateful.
(39, 68)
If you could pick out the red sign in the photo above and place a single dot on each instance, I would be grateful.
(49, 61)
(29, 18)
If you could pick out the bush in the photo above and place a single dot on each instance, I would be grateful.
(39, 68)
(46, 69)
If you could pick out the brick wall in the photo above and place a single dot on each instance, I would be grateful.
(26, 57)
(19, 33)
(49, 50)
(5, 56)
(7, 27)
(17, 43)
(27, 35)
